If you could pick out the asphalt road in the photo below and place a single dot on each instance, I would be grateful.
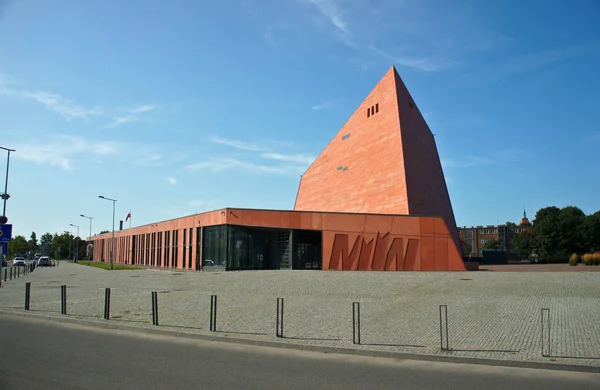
(40, 354)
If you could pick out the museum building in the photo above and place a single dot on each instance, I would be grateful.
(374, 199)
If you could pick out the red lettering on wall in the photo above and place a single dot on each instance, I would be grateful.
(386, 256)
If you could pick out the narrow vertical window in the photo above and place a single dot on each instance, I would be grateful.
(376, 107)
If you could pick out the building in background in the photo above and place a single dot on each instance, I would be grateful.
(475, 238)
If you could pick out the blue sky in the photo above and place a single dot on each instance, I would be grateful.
(185, 106)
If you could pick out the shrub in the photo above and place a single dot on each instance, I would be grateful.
(588, 259)
(596, 258)
(585, 259)
(573, 260)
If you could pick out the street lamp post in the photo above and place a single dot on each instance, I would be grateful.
(112, 245)
(5, 195)
(90, 237)
(76, 246)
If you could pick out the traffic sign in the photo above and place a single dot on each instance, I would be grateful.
(5, 233)
(3, 248)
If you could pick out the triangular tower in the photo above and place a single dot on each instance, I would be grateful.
(383, 160)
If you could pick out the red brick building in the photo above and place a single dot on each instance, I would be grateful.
(374, 199)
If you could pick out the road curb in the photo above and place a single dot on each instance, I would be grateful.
(312, 348)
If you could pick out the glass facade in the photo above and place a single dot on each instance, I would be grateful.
(214, 246)
(234, 247)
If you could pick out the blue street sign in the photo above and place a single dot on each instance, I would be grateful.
(5, 233)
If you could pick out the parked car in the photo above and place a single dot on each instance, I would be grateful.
(19, 262)
(44, 261)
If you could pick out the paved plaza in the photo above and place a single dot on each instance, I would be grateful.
(490, 314)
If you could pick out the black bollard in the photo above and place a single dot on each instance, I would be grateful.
(444, 343)
(356, 322)
(107, 303)
(63, 299)
(279, 323)
(154, 308)
(5, 273)
(213, 313)
(27, 294)
(11, 272)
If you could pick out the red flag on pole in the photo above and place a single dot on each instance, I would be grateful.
(128, 216)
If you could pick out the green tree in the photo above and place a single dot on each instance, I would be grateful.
(33, 242)
(104, 231)
(571, 222)
(46, 243)
(466, 248)
(510, 224)
(592, 232)
(17, 246)
(492, 244)
(524, 243)
(62, 246)
(547, 232)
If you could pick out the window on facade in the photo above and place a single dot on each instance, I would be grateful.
(214, 246)
(345, 137)
(184, 252)
(190, 246)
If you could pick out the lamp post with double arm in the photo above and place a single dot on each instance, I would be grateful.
(112, 244)
(90, 236)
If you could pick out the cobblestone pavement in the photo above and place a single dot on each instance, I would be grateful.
(490, 314)
(527, 267)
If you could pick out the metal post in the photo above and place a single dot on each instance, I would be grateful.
(5, 197)
(11, 272)
(154, 308)
(356, 322)
(279, 319)
(107, 303)
(5, 272)
(112, 245)
(546, 351)
(63, 299)
(90, 236)
(27, 294)
(213, 313)
(444, 328)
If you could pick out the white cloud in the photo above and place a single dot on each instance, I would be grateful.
(59, 104)
(146, 108)
(196, 203)
(171, 180)
(501, 156)
(332, 12)
(237, 144)
(131, 116)
(295, 158)
(120, 120)
(69, 109)
(61, 151)
(415, 34)
(221, 164)
(323, 106)
(467, 162)
(292, 162)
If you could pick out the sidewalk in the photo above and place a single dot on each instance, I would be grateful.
(490, 315)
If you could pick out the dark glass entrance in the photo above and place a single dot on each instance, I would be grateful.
(233, 247)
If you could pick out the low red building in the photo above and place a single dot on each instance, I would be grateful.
(374, 199)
